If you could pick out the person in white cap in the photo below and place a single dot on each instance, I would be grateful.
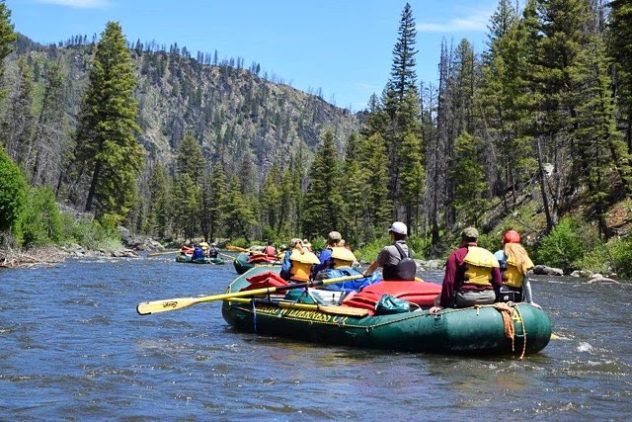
(395, 259)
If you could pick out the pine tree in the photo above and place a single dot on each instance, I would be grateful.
(106, 146)
(620, 46)
(604, 162)
(12, 193)
(19, 123)
(7, 38)
(50, 144)
(158, 219)
(217, 198)
(323, 199)
(377, 203)
(190, 159)
(403, 75)
(468, 173)
(186, 206)
(239, 211)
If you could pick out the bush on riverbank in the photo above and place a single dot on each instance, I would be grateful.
(562, 247)
(12, 192)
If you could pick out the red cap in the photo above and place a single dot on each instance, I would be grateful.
(511, 236)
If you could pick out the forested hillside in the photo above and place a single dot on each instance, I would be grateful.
(534, 133)
(236, 118)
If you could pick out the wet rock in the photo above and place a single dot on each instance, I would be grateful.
(598, 278)
(544, 270)
(432, 264)
(582, 274)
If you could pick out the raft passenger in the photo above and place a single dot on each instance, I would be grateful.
(297, 263)
(514, 263)
(472, 275)
(213, 252)
(198, 253)
(270, 250)
(326, 261)
(396, 258)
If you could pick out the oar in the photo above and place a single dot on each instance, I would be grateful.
(165, 305)
(226, 255)
(237, 248)
(163, 253)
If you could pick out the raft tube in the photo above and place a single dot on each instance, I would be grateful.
(477, 330)
(186, 259)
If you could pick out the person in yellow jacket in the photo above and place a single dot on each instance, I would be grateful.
(472, 275)
(514, 264)
(297, 262)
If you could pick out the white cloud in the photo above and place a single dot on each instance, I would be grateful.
(80, 4)
(473, 23)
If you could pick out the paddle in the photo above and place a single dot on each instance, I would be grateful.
(165, 305)
(163, 253)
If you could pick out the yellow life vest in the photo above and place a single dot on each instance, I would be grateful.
(302, 262)
(342, 257)
(512, 277)
(479, 263)
(518, 263)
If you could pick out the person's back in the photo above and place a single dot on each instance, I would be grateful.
(213, 252)
(270, 250)
(198, 253)
(514, 264)
(395, 259)
(472, 275)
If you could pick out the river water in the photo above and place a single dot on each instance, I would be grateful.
(72, 346)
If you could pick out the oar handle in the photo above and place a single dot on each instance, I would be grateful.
(165, 305)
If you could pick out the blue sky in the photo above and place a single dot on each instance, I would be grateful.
(343, 47)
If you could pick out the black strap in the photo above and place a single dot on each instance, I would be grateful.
(402, 254)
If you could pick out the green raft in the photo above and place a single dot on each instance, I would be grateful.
(478, 330)
(242, 265)
(187, 260)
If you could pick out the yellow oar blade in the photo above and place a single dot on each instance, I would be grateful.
(165, 305)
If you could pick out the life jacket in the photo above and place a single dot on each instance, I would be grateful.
(346, 286)
(270, 251)
(198, 253)
(342, 257)
(301, 267)
(404, 270)
(478, 266)
(517, 263)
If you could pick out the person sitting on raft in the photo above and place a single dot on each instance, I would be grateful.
(340, 264)
(395, 259)
(472, 275)
(514, 263)
(270, 250)
(326, 261)
(297, 263)
(198, 253)
(213, 252)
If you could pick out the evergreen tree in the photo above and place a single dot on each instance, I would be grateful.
(7, 38)
(49, 141)
(271, 205)
(217, 198)
(403, 75)
(186, 206)
(19, 123)
(323, 199)
(355, 187)
(604, 162)
(377, 202)
(239, 211)
(620, 35)
(158, 220)
(468, 173)
(12, 192)
(106, 146)
(190, 159)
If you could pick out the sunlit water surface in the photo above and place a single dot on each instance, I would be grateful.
(72, 346)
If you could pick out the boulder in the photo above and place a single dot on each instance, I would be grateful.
(432, 264)
(544, 270)
(582, 274)
(598, 278)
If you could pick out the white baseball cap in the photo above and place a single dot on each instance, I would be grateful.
(399, 228)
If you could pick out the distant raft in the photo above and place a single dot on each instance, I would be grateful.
(246, 261)
(187, 259)
(491, 329)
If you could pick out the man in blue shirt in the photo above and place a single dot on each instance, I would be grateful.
(333, 240)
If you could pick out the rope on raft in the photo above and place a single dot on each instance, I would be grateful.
(507, 312)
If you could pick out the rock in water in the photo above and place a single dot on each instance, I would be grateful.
(544, 270)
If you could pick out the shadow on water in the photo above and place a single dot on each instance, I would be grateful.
(74, 347)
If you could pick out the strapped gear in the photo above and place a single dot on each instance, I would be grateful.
(404, 270)
(478, 266)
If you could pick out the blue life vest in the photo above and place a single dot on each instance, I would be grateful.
(198, 253)
(346, 286)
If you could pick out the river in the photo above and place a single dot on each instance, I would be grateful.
(72, 346)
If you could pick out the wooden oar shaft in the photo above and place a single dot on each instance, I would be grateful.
(163, 253)
(165, 305)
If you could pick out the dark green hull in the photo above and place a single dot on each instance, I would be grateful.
(241, 263)
(186, 259)
(467, 331)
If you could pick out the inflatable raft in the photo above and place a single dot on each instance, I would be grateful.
(246, 261)
(491, 329)
(187, 259)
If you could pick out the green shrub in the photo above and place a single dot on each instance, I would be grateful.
(40, 222)
(368, 252)
(240, 242)
(596, 260)
(12, 192)
(562, 247)
(621, 254)
(89, 233)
